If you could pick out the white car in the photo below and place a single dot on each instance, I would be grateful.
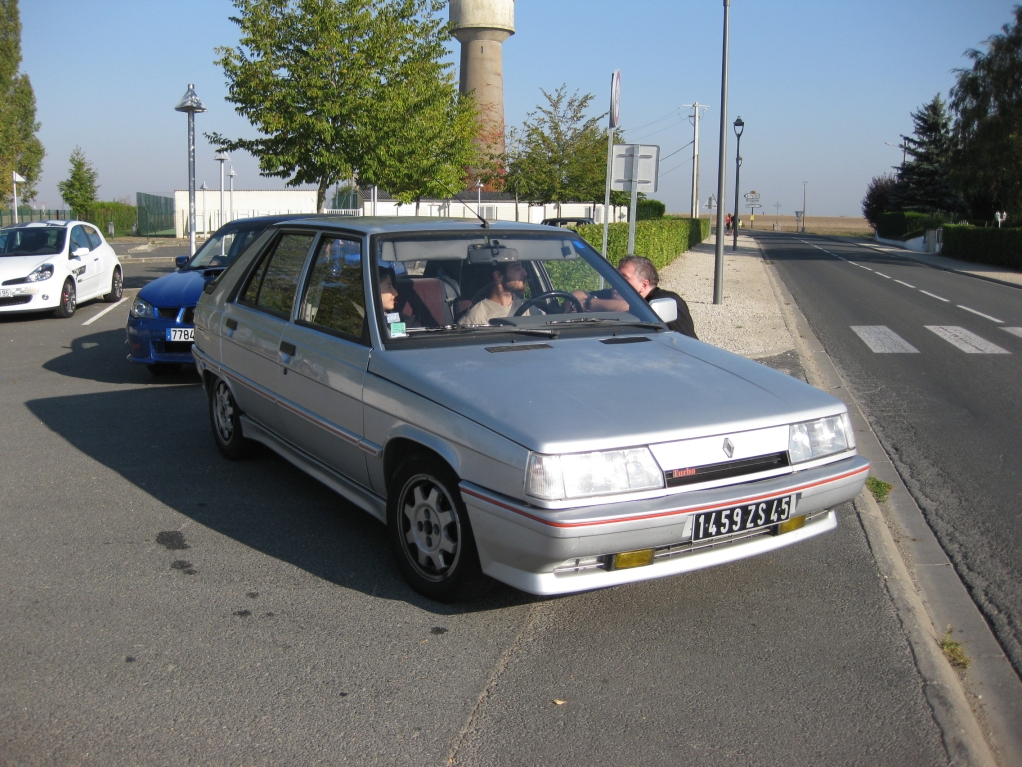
(56, 265)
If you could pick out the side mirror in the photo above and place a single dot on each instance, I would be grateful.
(666, 309)
(77, 253)
(180, 261)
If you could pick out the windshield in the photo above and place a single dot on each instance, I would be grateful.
(32, 241)
(223, 247)
(536, 284)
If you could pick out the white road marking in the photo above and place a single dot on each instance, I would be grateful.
(105, 311)
(968, 342)
(906, 284)
(882, 340)
(864, 267)
(984, 316)
(884, 275)
(934, 295)
(1014, 331)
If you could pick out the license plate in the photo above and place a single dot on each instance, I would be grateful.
(181, 334)
(6, 293)
(738, 519)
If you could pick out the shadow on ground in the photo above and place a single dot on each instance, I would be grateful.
(265, 503)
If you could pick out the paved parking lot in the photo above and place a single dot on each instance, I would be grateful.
(164, 606)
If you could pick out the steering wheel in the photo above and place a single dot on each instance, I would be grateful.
(549, 294)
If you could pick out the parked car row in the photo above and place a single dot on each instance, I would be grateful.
(453, 380)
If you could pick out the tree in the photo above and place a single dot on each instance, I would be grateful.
(20, 148)
(323, 81)
(878, 197)
(80, 187)
(923, 183)
(559, 154)
(987, 100)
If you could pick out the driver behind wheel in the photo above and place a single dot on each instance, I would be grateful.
(506, 295)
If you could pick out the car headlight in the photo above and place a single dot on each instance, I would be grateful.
(142, 309)
(820, 438)
(40, 273)
(581, 475)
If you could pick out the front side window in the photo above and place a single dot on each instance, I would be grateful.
(335, 293)
(79, 239)
(274, 283)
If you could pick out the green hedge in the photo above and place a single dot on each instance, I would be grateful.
(647, 210)
(984, 245)
(661, 240)
(99, 213)
(893, 226)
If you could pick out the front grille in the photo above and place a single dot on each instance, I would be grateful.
(189, 316)
(679, 477)
(18, 281)
(15, 300)
(168, 312)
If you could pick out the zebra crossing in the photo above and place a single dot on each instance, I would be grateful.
(882, 340)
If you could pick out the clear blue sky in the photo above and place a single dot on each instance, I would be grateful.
(820, 85)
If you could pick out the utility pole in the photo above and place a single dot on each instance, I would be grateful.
(718, 261)
(696, 107)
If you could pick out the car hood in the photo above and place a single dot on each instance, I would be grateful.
(175, 289)
(582, 394)
(16, 267)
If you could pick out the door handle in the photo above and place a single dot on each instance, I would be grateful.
(288, 348)
(232, 324)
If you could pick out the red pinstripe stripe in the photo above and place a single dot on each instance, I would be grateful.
(659, 514)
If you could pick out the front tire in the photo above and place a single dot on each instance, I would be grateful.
(68, 300)
(116, 288)
(430, 532)
(225, 418)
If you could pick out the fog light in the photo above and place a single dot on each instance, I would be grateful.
(46, 298)
(790, 525)
(627, 559)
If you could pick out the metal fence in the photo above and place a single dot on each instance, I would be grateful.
(155, 215)
(26, 215)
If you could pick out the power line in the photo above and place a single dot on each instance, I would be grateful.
(658, 120)
(690, 143)
(669, 127)
(686, 162)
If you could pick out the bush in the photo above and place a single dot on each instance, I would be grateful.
(997, 247)
(894, 226)
(646, 210)
(100, 213)
(661, 240)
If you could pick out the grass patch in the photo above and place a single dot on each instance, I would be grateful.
(954, 650)
(880, 489)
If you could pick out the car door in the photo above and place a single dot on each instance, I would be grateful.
(86, 265)
(103, 257)
(326, 351)
(252, 325)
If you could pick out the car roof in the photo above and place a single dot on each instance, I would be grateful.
(411, 224)
(45, 224)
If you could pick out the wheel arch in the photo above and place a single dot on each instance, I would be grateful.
(400, 448)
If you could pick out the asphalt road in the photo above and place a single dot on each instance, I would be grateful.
(935, 360)
(164, 606)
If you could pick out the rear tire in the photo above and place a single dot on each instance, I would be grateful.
(68, 300)
(225, 420)
(430, 533)
(161, 369)
(116, 288)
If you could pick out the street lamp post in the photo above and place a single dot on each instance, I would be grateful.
(203, 190)
(804, 184)
(718, 263)
(479, 198)
(17, 179)
(739, 130)
(232, 174)
(190, 103)
(222, 157)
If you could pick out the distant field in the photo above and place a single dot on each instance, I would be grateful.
(816, 224)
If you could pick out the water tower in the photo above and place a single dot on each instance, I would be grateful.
(482, 28)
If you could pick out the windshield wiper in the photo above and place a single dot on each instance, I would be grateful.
(578, 320)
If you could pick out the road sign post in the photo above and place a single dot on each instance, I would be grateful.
(615, 116)
(635, 167)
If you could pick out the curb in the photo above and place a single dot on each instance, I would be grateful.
(973, 727)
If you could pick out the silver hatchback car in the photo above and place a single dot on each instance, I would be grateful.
(455, 381)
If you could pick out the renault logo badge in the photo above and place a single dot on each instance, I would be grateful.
(729, 447)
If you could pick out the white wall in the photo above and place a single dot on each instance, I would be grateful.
(247, 203)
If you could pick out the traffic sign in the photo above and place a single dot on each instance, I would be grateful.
(752, 197)
(615, 98)
(637, 164)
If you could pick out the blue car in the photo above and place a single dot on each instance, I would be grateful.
(160, 329)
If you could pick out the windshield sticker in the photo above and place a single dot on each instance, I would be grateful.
(397, 330)
(393, 317)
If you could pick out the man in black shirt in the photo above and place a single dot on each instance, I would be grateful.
(642, 275)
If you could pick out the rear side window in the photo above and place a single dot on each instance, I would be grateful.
(335, 293)
(273, 285)
(94, 239)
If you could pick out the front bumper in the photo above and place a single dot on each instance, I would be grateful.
(522, 545)
(36, 297)
(147, 342)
